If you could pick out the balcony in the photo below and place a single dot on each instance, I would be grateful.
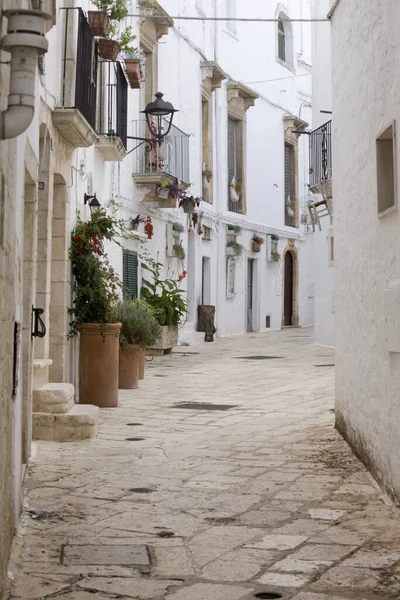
(75, 118)
(320, 180)
(112, 111)
(168, 161)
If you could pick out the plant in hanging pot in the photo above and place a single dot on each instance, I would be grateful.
(167, 300)
(179, 251)
(234, 228)
(118, 41)
(276, 257)
(137, 221)
(178, 227)
(188, 203)
(139, 330)
(234, 248)
(134, 63)
(257, 242)
(99, 22)
(95, 287)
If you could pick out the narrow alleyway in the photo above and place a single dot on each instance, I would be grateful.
(260, 500)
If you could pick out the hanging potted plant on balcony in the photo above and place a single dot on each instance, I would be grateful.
(257, 242)
(179, 251)
(109, 48)
(169, 193)
(188, 203)
(109, 13)
(168, 303)
(236, 229)
(139, 330)
(233, 248)
(134, 63)
(95, 287)
(136, 222)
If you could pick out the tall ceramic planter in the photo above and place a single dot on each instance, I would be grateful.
(98, 364)
(129, 367)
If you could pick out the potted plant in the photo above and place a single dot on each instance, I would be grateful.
(178, 227)
(188, 203)
(169, 193)
(110, 47)
(274, 243)
(234, 228)
(137, 221)
(179, 251)
(95, 286)
(99, 22)
(139, 330)
(168, 302)
(149, 228)
(134, 63)
(257, 242)
(234, 248)
(276, 257)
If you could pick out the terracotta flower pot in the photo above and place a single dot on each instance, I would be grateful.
(256, 247)
(99, 23)
(141, 364)
(188, 207)
(98, 364)
(129, 365)
(109, 49)
(133, 72)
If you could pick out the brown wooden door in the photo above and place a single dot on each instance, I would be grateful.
(288, 299)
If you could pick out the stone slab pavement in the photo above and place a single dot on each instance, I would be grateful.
(262, 500)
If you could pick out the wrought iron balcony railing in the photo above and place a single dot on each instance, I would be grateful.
(113, 101)
(321, 154)
(79, 66)
(172, 156)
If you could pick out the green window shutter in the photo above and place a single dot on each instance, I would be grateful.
(130, 273)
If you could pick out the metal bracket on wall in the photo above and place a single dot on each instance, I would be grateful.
(39, 328)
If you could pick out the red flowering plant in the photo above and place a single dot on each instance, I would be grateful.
(95, 284)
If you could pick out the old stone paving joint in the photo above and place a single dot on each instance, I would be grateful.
(263, 500)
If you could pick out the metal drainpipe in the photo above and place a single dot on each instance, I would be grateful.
(25, 39)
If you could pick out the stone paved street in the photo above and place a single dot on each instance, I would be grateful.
(263, 500)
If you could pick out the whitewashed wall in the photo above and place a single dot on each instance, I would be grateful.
(367, 257)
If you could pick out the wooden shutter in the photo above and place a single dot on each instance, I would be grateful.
(130, 273)
(281, 41)
(288, 171)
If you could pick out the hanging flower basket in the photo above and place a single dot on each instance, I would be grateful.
(133, 72)
(109, 49)
(99, 23)
(163, 193)
(257, 243)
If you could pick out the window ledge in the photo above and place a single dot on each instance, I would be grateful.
(388, 211)
(285, 64)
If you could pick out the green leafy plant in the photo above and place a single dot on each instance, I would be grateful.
(116, 9)
(274, 237)
(178, 227)
(95, 284)
(234, 228)
(236, 247)
(164, 296)
(124, 37)
(276, 257)
(139, 325)
(179, 251)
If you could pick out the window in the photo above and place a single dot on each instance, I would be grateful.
(386, 174)
(281, 41)
(290, 192)
(235, 165)
(130, 273)
(230, 277)
(284, 50)
(230, 7)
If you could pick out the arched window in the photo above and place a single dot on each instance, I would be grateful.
(281, 41)
(285, 39)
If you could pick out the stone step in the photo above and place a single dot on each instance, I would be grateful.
(53, 398)
(80, 423)
(41, 371)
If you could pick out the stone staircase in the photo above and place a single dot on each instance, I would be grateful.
(56, 417)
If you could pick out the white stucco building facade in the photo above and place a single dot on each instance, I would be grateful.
(323, 239)
(365, 184)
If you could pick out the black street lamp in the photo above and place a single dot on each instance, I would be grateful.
(94, 204)
(159, 116)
